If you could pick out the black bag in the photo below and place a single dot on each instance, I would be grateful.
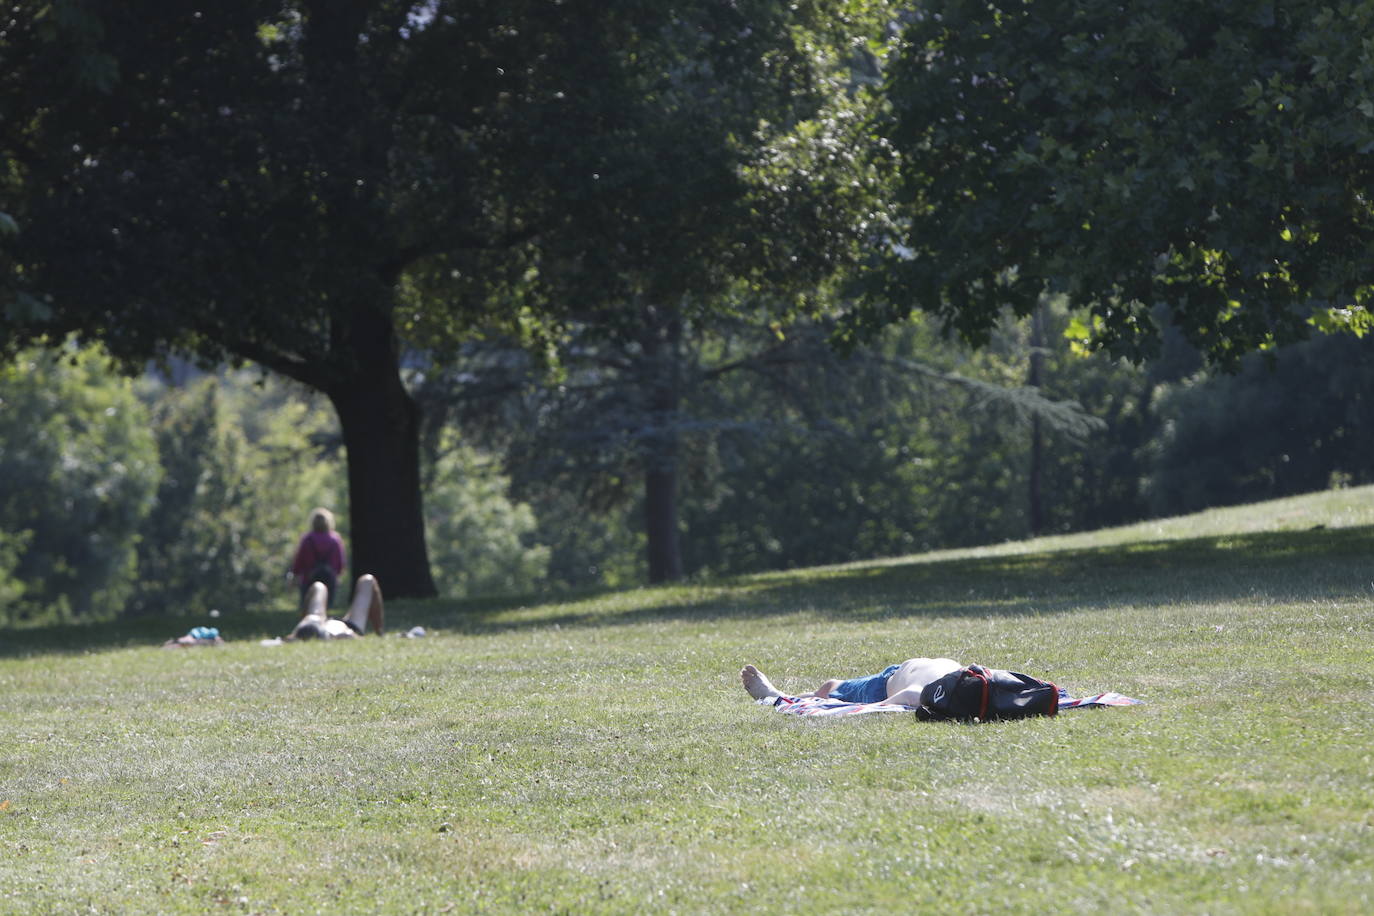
(984, 694)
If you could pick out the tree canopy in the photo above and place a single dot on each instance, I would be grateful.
(78, 472)
(310, 185)
(1214, 160)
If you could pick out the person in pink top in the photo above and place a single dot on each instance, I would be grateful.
(320, 556)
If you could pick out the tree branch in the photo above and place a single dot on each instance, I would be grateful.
(455, 239)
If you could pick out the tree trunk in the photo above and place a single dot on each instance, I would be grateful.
(381, 425)
(1037, 359)
(660, 520)
(662, 368)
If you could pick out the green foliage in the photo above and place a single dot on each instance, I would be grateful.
(78, 473)
(12, 547)
(590, 545)
(914, 444)
(239, 476)
(306, 186)
(237, 460)
(481, 543)
(1214, 159)
(1087, 481)
(787, 453)
(1298, 422)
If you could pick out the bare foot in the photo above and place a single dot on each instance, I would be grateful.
(759, 687)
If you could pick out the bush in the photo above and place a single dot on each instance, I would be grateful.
(243, 463)
(480, 542)
(78, 466)
(1274, 428)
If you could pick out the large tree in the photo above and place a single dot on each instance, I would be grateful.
(275, 181)
(692, 406)
(1207, 164)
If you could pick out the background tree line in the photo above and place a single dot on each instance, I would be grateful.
(656, 264)
(162, 496)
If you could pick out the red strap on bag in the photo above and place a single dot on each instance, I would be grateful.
(978, 672)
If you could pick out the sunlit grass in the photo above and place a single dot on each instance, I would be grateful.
(598, 755)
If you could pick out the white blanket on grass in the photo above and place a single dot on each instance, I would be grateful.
(825, 706)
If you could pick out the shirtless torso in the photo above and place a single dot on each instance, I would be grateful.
(900, 683)
(912, 675)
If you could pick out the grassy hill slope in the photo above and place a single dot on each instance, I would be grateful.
(598, 755)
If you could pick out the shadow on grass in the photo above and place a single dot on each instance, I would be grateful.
(1314, 564)
(124, 633)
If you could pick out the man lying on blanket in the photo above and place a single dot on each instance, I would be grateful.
(897, 688)
(899, 684)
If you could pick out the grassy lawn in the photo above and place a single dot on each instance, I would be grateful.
(598, 755)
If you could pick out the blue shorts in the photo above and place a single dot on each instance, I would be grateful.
(871, 689)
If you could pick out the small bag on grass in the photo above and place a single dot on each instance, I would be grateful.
(983, 694)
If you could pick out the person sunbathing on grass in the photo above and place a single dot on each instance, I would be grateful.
(900, 684)
(364, 612)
